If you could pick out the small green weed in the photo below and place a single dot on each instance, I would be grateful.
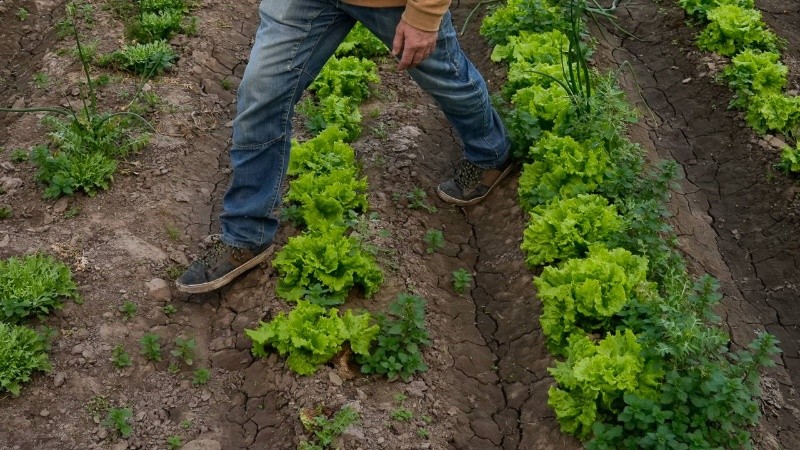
(399, 398)
(173, 368)
(19, 155)
(325, 429)
(462, 280)
(97, 407)
(174, 442)
(402, 415)
(150, 347)
(169, 309)
(184, 349)
(128, 310)
(201, 377)
(186, 424)
(5, 212)
(423, 433)
(417, 199)
(174, 271)
(173, 232)
(120, 358)
(118, 420)
(434, 239)
(22, 14)
(226, 84)
(41, 80)
(380, 131)
(72, 212)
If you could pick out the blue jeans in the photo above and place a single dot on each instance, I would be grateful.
(294, 40)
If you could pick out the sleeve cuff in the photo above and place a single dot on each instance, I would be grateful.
(422, 20)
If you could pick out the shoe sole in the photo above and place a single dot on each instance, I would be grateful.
(228, 277)
(458, 202)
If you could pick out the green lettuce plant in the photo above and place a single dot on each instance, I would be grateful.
(561, 167)
(586, 295)
(325, 265)
(516, 15)
(774, 112)
(325, 199)
(33, 285)
(23, 351)
(753, 72)
(700, 8)
(595, 378)
(311, 335)
(732, 29)
(321, 154)
(348, 76)
(565, 227)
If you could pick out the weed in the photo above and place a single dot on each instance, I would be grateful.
(184, 349)
(174, 442)
(398, 349)
(173, 232)
(402, 415)
(169, 309)
(19, 155)
(72, 212)
(426, 418)
(97, 407)
(417, 199)
(226, 84)
(186, 424)
(41, 80)
(86, 143)
(173, 368)
(434, 239)
(189, 26)
(128, 310)
(148, 60)
(175, 270)
(155, 26)
(462, 280)
(151, 348)
(325, 429)
(5, 212)
(399, 398)
(118, 420)
(200, 377)
(22, 14)
(423, 433)
(380, 131)
(120, 358)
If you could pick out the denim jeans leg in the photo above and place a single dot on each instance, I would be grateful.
(294, 40)
(454, 82)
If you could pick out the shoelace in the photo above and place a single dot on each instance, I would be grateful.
(467, 174)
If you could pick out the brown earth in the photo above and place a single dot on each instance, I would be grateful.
(487, 383)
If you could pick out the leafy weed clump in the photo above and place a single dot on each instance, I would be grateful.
(397, 352)
(33, 286)
(23, 351)
(118, 420)
(149, 59)
(150, 347)
(325, 429)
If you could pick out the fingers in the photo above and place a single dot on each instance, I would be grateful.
(412, 46)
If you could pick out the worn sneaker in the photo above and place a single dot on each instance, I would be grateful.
(471, 184)
(219, 266)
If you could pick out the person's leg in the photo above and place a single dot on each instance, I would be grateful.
(461, 92)
(293, 42)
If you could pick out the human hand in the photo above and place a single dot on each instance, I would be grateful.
(412, 45)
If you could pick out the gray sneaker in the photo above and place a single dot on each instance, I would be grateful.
(471, 184)
(220, 265)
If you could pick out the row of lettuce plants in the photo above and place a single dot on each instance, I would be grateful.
(735, 29)
(318, 268)
(31, 287)
(645, 362)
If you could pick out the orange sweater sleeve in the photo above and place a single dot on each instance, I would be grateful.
(424, 15)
